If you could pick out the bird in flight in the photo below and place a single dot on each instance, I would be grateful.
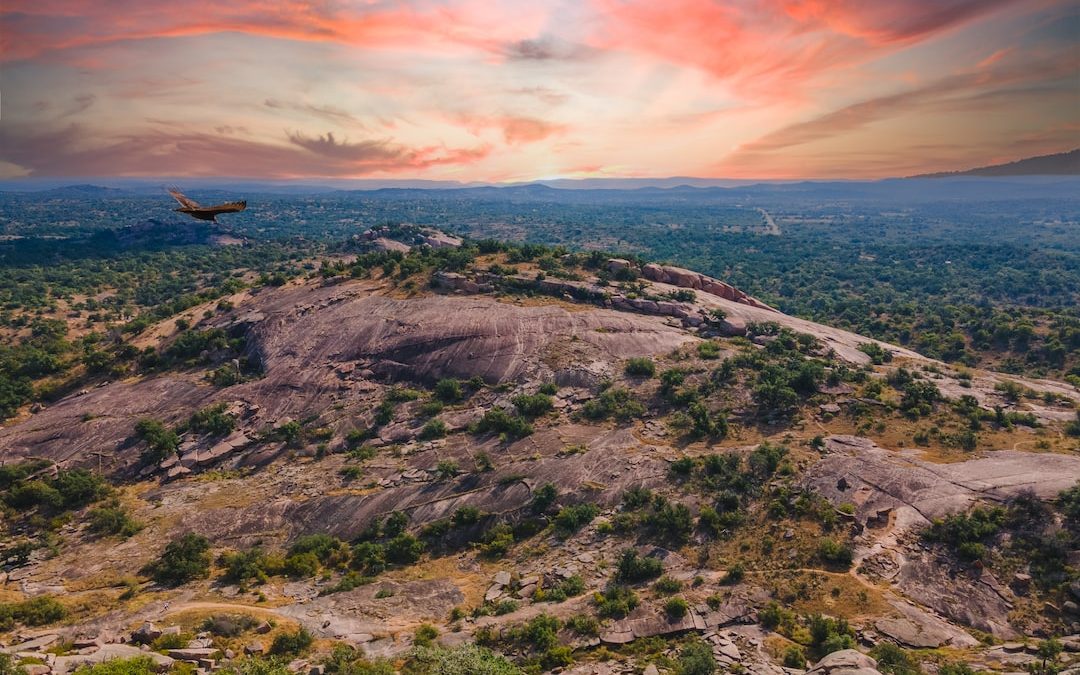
(195, 210)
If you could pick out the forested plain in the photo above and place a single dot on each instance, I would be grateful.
(983, 274)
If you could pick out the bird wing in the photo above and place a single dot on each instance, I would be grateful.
(186, 202)
(227, 207)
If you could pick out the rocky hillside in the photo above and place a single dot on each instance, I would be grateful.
(435, 454)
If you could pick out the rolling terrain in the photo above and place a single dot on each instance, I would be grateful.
(576, 461)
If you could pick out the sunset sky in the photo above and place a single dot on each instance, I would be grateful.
(517, 90)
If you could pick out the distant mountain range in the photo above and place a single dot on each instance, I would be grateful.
(1060, 164)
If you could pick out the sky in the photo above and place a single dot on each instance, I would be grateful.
(514, 90)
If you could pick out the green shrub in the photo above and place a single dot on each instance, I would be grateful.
(533, 405)
(292, 644)
(834, 553)
(696, 658)
(570, 519)
(676, 608)
(640, 367)
(160, 441)
(499, 421)
(894, 660)
(369, 557)
(37, 611)
(795, 657)
(467, 659)
(213, 421)
(435, 428)
(633, 568)
(449, 390)
(404, 549)
(666, 585)
(616, 601)
(613, 402)
(138, 665)
(183, 560)
(112, 521)
(425, 634)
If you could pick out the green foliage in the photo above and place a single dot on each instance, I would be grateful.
(894, 660)
(696, 658)
(425, 635)
(449, 390)
(641, 366)
(404, 549)
(112, 520)
(570, 519)
(967, 533)
(666, 585)
(213, 421)
(8, 666)
(543, 497)
(499, 421)
(633, 568)
(291, 644)
(795, 657)
(828, 635)
(138, 665)
(615, 601)
(834, 553)
(533, 405)
(676, 608)
(435, 428)
(614, 402)
(160, 440)
(37, 611)
(468, 659)
(183, 560)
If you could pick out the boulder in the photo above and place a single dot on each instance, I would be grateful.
(845, 662)
(145, 634)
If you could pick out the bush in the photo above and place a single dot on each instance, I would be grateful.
(667, 585)
(404, 549)
(570, 519)
(633, 568)
(894, 660)
(696, 658)
(138, 665)
(79, 487)
(616, 402)
(292, 644)
(425, 635)
(213, 421)
(533, 405)
(160, 441)
(795, 657)
(615, 601)
(183, 560)
(499, 421)
(112, 521)
(435, 428)
(676, 608)
(543, 497)
(468, 659)
(369, 557)
(834, 553)
(640, 367)
(449, 390)
(38, 611)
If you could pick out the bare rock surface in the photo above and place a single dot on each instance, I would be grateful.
(878, 481)
(845, 662)
(359, 616)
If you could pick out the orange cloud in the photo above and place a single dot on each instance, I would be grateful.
(774, 48)
(34, 28)
(63, 152)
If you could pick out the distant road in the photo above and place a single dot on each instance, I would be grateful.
(770, 225)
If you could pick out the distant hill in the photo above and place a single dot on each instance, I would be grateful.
(1061, 164)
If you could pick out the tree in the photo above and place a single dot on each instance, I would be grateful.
(183, 560)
